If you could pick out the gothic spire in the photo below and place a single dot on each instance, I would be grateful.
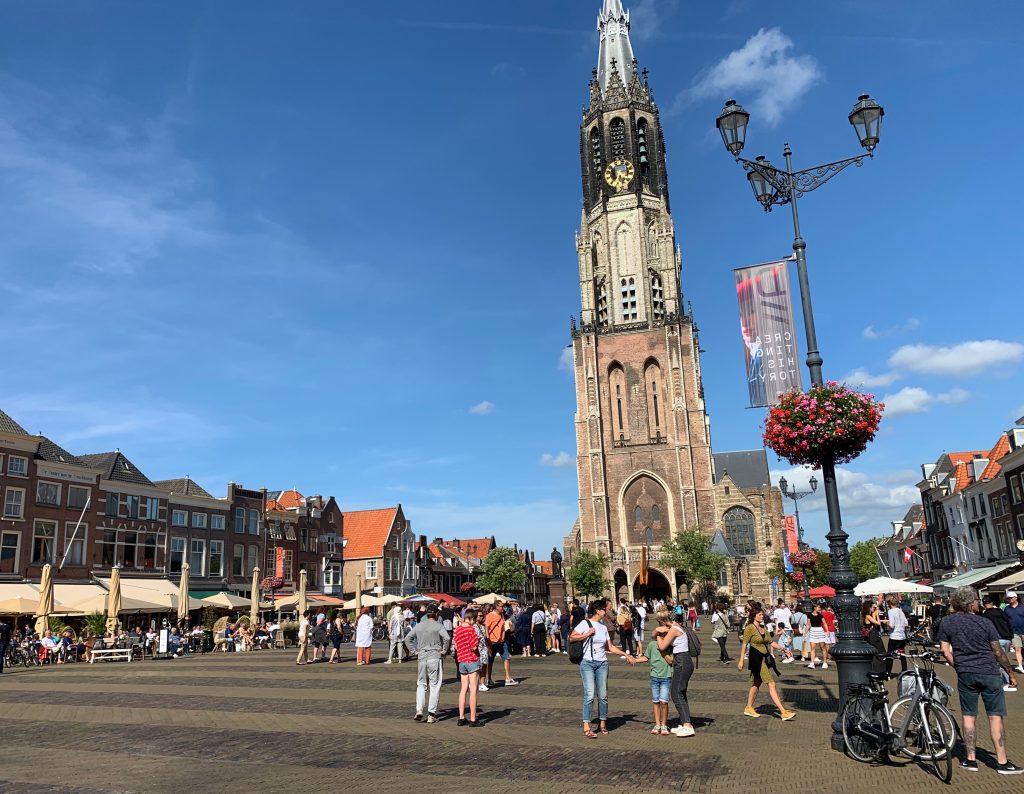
(613, 27)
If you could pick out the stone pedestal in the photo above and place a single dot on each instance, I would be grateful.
(557, 591)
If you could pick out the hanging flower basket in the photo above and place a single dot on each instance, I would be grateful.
(804, 559)
(468, 588)
(829, 422)
(271, 583)
(797, 576)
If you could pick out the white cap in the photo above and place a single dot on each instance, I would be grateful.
(1011, 593)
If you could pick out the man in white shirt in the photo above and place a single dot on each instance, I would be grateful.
(638, 627)
(781, 617)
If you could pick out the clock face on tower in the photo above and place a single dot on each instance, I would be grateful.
(1020, 545)
(619, 174)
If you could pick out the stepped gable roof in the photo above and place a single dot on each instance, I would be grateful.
(183, 486)
(116, 467)
(367, 531)
(747, 468)
(8, 425)
(54, 453)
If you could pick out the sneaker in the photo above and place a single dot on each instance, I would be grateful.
(462, 721)
(970, 766)
(824, 665)
(511, 682)
(687, 731)
(483, 688)
(787, 715)
(388, 662)
(665, 731)
(678, 730)
(475, 724)
(788, 660)
(811, 666)
(418, 717)
(431, 719)
(1008, 688)
(655, 730)
(1009, 768)
(751, 713)
(1019, 669)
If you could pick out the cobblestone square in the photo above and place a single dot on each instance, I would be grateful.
(256, 722)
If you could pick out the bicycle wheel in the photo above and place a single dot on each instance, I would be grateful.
(912, 742)
(934, 738)
(863, 711)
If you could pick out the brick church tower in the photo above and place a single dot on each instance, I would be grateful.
(642, 433)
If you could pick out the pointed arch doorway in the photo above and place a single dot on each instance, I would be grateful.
(657, 586)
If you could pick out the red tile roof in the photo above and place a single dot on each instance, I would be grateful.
(962, 475)
(965, 457)
(545, 567)
(367, 531)
(286, 500)
(1001, 449)
(478, 547)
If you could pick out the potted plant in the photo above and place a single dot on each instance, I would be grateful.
(831, 422)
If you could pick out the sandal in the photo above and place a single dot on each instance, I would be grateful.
(604, 729)
(589, 733)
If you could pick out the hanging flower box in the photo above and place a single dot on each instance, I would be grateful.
(271, 583)
(829, 422)
(803, 559)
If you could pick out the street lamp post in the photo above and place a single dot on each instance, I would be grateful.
(796, 496)
(773, 186)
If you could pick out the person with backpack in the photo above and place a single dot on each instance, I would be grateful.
(624, 624)
(1005, 632)
(685, 645)
(589, 646)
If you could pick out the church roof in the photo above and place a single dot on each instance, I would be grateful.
(747, 468)
(720, 545)
(613, 24)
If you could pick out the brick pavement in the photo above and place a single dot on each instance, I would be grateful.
(256, 722)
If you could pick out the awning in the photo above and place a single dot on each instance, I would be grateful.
(977, 576)
(1014, 579)
(202, 593)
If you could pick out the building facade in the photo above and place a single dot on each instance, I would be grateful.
(198, 534)
(642, 433)
(1013, 475)
(380, 552)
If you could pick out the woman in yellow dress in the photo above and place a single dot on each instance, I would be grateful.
(758, 643)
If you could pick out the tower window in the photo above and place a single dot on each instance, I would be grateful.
(638, 514)
(656, 513)
(595, 151)
(617, 395)
(629, 311)
(657, 298)
(641, 149)
(652, 380)
(602, 305)
(617, 136)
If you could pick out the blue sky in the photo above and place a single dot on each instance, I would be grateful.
(330, 245)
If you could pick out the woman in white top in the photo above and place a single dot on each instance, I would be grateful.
(682, 669)
(897, 621)
(303, 639)
(364, 636)
(594, 667)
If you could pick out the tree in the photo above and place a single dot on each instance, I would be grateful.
(690, 552)
(864, 559)
(586, 575)
(501, 572)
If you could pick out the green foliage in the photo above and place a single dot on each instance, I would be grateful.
(57, 625)
(209, 617)
(501, 572)
(95, 624)
(863, 558)
(690, 552)
(587, 574)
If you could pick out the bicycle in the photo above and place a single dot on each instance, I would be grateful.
(917, 725)
(380, 631)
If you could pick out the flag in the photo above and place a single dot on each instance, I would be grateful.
(787, 566)
(769, 336)
(279, 562)
(907, 554)
(642, 579)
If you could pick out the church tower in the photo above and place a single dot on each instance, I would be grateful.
(642, 433)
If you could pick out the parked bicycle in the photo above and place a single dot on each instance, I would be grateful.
(918, 725)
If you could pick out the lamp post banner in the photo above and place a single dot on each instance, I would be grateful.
(769, 335)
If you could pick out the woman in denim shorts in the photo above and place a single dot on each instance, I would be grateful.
(467, 654)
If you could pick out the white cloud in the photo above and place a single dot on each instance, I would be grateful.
(763, 67)
(556, 461)
(861, 377)
(647, 17)
(1018, 413)
(877, 333)
(965, 358)
(565, 361)
(915, 400)
(482, 408)
(869, 501)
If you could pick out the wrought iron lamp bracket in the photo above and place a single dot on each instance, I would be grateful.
(798, 183)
